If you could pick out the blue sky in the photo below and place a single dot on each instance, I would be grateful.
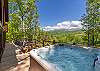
(56, 11)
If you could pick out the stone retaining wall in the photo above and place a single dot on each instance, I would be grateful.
(9, 57)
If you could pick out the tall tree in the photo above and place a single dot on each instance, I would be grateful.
(22, 16)
(91, 20)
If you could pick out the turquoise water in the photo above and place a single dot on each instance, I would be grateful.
(68, 58)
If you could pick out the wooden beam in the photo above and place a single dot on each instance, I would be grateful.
(6, 10)
(0, 10)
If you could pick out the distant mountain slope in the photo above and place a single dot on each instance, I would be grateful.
(64, 31)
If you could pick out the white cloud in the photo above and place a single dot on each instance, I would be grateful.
(67, 25)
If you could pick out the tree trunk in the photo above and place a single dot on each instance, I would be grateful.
(88, 38)
(93, 38)
(96, 39)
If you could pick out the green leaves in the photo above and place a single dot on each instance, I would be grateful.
(91, 20)
(23, 14)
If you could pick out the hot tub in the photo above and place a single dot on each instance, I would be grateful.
(64, 58)
(37, 63)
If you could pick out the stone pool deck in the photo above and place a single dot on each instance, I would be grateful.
(22, 66)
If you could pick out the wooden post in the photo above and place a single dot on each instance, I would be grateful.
(3, 20)
(0, 29)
